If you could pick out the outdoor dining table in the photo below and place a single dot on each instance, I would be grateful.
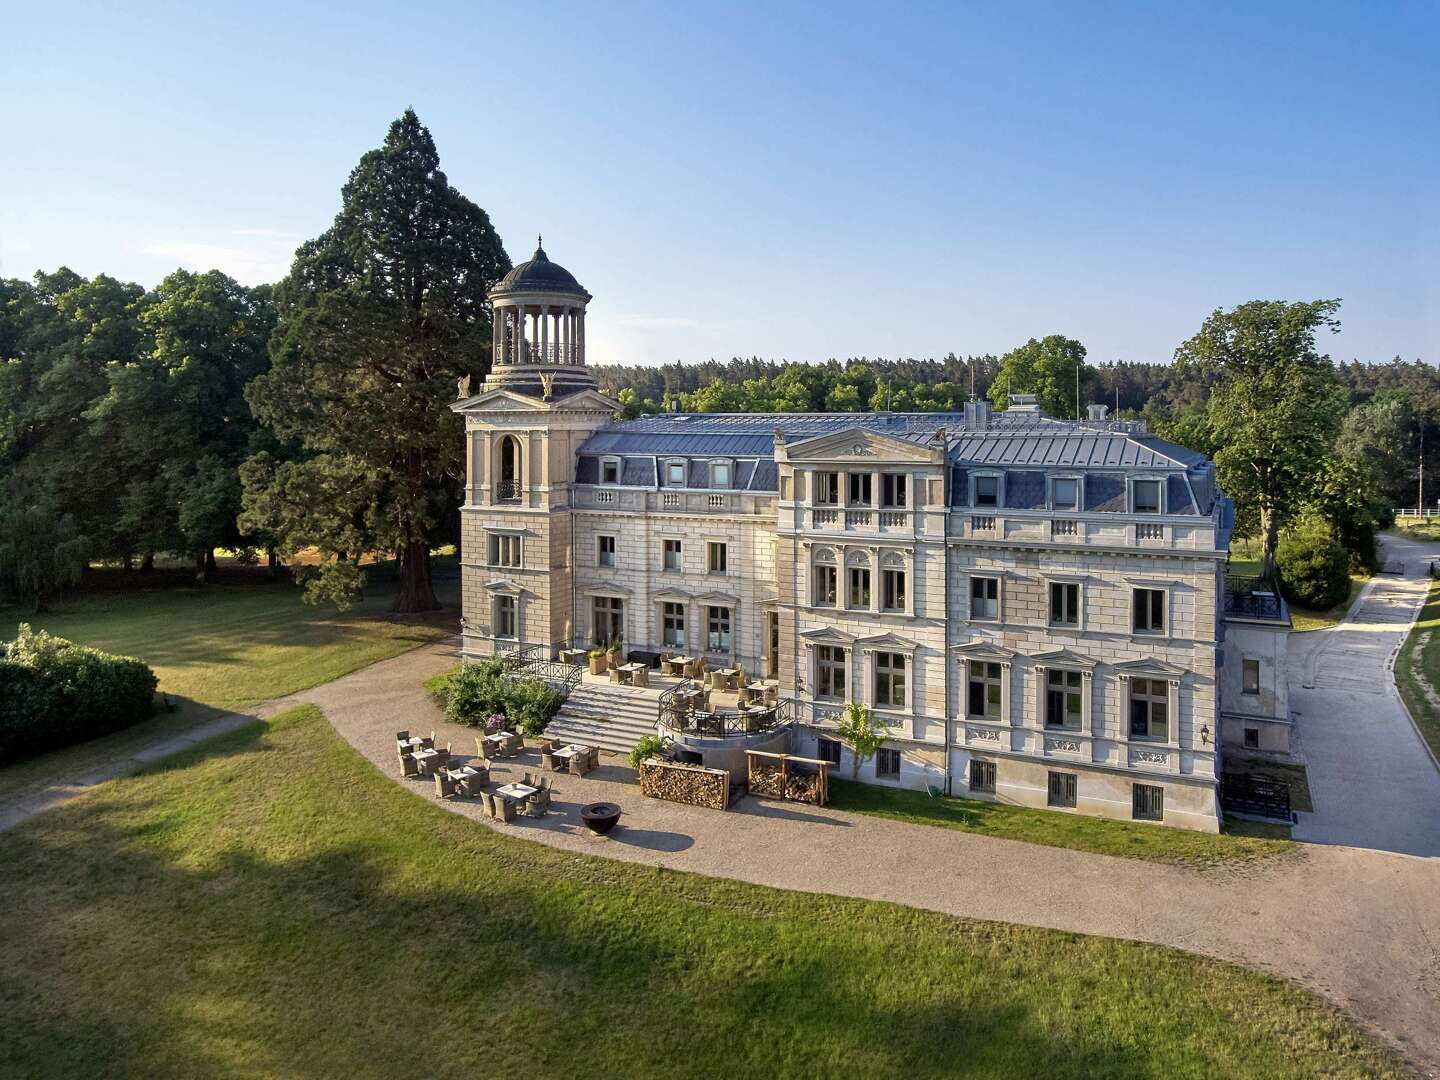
(572, 656)
(424, 759)
(726, 677)
(518, 792)
(415, 742)
(676, 664)
(565, 753)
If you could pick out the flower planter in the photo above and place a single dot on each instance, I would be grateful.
(597, 665)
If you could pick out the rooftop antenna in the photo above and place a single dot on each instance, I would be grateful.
(1077, 390)
(971, 365)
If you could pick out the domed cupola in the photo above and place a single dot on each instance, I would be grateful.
(540, 330)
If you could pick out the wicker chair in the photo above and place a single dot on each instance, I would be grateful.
(426, 744)
(593, 757)
(577, 764)
(401, 736)
(504, 808)
(407, 764)
(487, 803)
(547, 760)
(538, 805)
(640, 677)
(473, 783)
(772, 696)
(615, 676)
(515, 743)
(444, 783)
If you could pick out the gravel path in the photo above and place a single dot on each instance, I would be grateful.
(1359, 926)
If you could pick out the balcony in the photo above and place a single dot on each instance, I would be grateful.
(507, 491)
(1253, 598)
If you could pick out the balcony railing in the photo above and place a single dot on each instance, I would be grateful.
(676, 712)
(1253, 597)
(507, 490)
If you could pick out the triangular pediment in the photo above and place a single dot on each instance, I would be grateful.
(1063, 658)
(887, 640)
(858, 443)
(828, 635)
(1150, 667)
(717, 598)
(984, 650)
(503, 399)
(506, 588)
(586, 401)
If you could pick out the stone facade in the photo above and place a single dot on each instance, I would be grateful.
(1033, 607)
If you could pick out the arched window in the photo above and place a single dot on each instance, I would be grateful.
(508, 486)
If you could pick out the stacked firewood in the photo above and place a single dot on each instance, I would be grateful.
(687, 784)
(803, 787)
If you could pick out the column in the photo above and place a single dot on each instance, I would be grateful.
(544, 332)
(1040, 673)
(877, 575)
(580, 337)
(1005, 717)
(496, 335)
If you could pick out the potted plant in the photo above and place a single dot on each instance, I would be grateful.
(613, 654)
(597, 660)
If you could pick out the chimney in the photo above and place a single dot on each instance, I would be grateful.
(977, 414)
(1097, 413)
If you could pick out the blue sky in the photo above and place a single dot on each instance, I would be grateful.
(792, 181)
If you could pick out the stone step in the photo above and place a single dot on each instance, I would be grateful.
(612, 718)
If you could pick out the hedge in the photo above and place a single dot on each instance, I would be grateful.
(478, 691)
(54, 693)
(1314, 566)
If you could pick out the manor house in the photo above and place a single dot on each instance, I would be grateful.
(1036, 608)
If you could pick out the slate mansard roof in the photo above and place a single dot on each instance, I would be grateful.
(1025, 446)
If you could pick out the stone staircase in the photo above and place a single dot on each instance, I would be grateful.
(610, 717)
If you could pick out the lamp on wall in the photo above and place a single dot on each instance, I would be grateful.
(1204, 734)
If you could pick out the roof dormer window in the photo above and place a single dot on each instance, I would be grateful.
(610, 470)
(721, 474)
(1064, 493)
(987, 490)
(1145, 496)
(675, 474)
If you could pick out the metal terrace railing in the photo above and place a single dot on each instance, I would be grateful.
(1252, 597)
(534, 662)
(677, 712)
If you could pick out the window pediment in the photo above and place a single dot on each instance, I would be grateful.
(984, 650)
(1063, 658)
(828, 635)
(1150, 669)
(893, 642)
(506, 588)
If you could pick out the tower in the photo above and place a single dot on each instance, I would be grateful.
(522, 430)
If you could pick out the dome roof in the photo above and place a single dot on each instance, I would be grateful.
(539, 274)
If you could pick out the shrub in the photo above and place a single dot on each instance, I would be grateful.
(648, 747)
(1314, 566)
(54, 693)
(478, 692)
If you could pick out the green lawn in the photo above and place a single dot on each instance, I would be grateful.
(268, 904)
(226, 646)
(1245, 559)
(1417, 669)
(1239, 845)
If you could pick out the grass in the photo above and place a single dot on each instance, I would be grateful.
(1417, 670)
(1245, 559)
(1428, 529)
(227, 646)
(269, 904)
(1240, 845)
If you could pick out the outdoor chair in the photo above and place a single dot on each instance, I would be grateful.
(515, 743)
(547, 760)
(487, 803)
(538, 805)
(504, 808)
(772, 696)
(401, 736)
(444, 783)
(594, 757)
(577, 764)
(640, 677)
(615, 676)
(407, 764)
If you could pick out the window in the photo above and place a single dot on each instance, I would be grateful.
(1249, 676)
(828, 750)
(718, 556)
(859, 587)
(1064, 493)
(1063, 707)
(982, 777)
(986, 678)
(610, 471)
(1149, 709)
(504, 550)
(1064, 603)
(829, 671)
(609, 622)
(1147, 496)
(1062, 789)
(605, 551)
(887, 762)
(507, 623)
(893, 596)
(827, 488)
(717, 629)
(987, 491)
(720, 474)
(984, 598)
(672, 624)
(1147, 802)
(674, 555)
(825, 586)
(894, 487)
(889, 680)
(1149, 611)
(1252, 738)
(859, 489)
(675, 474)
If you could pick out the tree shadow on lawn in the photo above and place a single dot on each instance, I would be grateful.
(223, 910)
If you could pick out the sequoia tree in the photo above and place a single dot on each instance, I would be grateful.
(379, 317)
(1275, 405)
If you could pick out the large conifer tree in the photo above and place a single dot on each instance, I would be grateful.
(378, 318)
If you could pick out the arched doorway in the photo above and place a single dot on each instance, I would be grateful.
(508, 486)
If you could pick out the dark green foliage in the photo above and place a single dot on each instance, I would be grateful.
(54, 693)
(41, 549)
(478, 691)
(379, 316)
(1053, 369)
(1313, 565)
